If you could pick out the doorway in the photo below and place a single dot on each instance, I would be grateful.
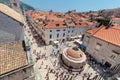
(107, 64)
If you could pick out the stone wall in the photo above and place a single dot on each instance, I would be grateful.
(24, 74)
(105, 52)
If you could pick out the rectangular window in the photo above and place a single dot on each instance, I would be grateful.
(57, 24)
(24, 70)
(68, 31)
(50, 36)
(57, 35)
(72, 31)
(63, 34)
(112, 56)
(50, 30)
(63, 29)
(57, 30)
(98, 46)
(15, 4)
(82, 37)
(115, 52)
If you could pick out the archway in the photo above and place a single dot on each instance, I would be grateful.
(50, 42)
(63, 40)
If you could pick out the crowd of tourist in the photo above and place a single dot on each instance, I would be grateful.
(56, 68)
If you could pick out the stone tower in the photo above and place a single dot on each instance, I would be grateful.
(15, 5)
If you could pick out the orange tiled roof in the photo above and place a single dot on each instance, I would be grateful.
(115, 18)
(49, 15)
(69, 22)
(67, 16)
(82, 24)
(112, 34)
(54, 23)
(92, 31)
(29, 12)
(55, 18)
(12, 56)
(52, 17)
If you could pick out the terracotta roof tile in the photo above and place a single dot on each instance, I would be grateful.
(115, 18)
(53, 17)
(92, 31)
(82, 24)
(12, 56)
(112, 34)
(55, 24)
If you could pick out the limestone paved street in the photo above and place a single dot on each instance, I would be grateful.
(46, 62)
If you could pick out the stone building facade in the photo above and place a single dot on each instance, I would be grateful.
(104, 45)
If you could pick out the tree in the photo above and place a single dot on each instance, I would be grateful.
(103, 21)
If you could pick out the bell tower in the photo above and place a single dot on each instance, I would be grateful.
(15, 5)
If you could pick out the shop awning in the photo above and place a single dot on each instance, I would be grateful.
(74, 37)
(78, 41)
(83, 47)
(56, 42)
(80, 36)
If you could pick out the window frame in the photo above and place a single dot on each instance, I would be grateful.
(98, 46)
(115, 52)
(57, 35)
(64, 30)
(50, 30)
(57, 30)
(63, 34)
(112, 56)
(50, 36)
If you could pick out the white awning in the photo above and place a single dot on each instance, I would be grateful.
(56, 42)
(78, 41)
(79, 36)
(74, 37)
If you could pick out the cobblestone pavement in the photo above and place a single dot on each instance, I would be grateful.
(46, 62)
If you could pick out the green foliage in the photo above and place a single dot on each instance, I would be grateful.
(103, 21)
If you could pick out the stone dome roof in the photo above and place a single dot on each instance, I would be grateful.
(74, 52)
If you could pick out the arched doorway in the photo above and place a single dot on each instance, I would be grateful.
(63, 40)
(50, 42)
(107, 64)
